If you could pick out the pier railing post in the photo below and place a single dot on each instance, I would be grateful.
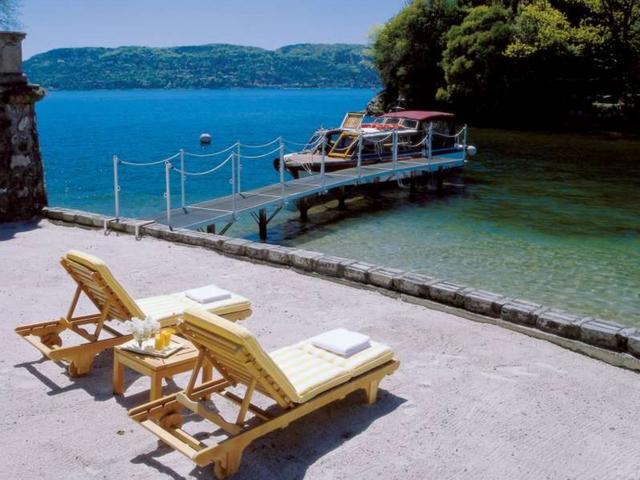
(116, 188)
(167, 193)
(281, 152)
(394, 154)
(464, 143)
(238, 157)
(322, 159)
(182, 191)
(360, 157)
(234, 157)
(430, 144)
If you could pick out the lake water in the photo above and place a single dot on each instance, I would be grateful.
(552, 218)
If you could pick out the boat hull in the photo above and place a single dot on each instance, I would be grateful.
(302, 164)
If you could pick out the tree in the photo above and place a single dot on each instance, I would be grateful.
(621, 19)
(530, 61)
(9, 14)
(408, 49)
(474, 63)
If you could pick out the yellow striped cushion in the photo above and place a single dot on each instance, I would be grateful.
(163, 307)
(313, 370)
(233, 304)
(97, 265)
(301, 371)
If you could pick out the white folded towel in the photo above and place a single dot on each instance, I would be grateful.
(341, 342)
(208, 294)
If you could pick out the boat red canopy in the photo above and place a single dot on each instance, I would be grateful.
(419, 115)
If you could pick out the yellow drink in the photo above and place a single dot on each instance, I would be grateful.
(159, 341)
(166, 336)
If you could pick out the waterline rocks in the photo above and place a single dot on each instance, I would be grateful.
(528, 316)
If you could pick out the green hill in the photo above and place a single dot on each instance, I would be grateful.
(203, 66)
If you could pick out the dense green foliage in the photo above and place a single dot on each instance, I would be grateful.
(409, 48)
(205, 66)
(503, 60)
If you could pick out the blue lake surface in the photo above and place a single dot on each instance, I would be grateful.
(552, 218)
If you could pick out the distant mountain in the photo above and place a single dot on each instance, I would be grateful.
(203, 66)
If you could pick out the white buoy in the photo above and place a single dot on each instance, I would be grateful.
(205, 139)
(471, 150)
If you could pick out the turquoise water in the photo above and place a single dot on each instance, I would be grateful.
(547, 217)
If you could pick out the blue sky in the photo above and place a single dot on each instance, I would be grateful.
(268, 23)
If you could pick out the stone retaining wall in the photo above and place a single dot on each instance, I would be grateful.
(588, 330)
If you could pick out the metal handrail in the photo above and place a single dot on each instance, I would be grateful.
(236, 158)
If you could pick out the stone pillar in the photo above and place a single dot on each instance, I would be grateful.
(22, 191)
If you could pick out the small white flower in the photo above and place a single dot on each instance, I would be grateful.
(142, 330)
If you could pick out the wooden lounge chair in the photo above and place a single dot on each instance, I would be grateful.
(94, 279)
(299, 379)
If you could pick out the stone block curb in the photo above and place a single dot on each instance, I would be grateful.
(591, 331)
(358, 271)
(521, 312)
(256, 251)
(484, 303)
(560, 323)
(415, 284)
(235, 246)
(447, 292)
(633, 342)
(600, 333)
(304, 259)
(332, 266)
(384, 277)
(278, 254)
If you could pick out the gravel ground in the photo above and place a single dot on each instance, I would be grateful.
(470, 400)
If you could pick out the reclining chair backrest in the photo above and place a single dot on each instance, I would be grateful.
(95, 279)
(237, 355)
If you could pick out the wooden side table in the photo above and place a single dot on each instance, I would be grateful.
(155, 367)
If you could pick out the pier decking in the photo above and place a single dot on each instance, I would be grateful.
(226, 209)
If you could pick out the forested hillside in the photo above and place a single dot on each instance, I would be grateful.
(204, 66)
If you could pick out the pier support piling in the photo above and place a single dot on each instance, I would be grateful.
(342, 206)
(262, 223)
(303, 206)
(211, 228)
(412, 187)
(439, 180)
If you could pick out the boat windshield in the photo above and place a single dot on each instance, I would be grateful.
(409, 123)
(342, 143)
(314, 141)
